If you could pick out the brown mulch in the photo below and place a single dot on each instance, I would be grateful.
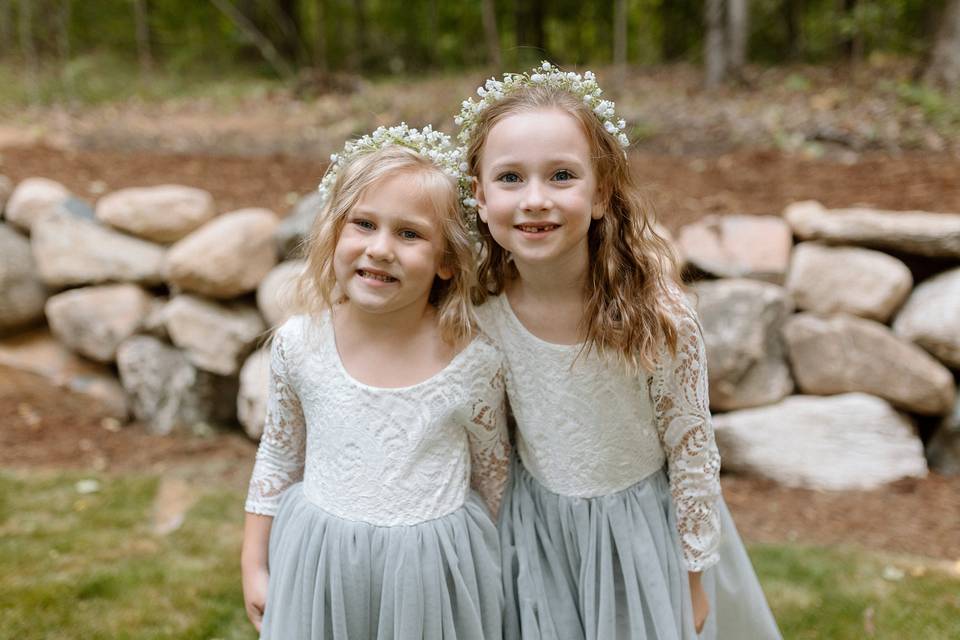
(683, 188)
(47, 428)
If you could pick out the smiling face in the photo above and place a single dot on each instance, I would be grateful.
(391, 248)
(537, 187)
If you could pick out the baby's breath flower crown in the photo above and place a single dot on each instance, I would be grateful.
(547, 75)
(434, 145)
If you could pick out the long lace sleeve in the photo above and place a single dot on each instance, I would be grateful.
(489, 443)
(681, 403)
(280, 457)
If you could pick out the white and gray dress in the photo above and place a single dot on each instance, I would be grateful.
(376, 531)
(615, 496)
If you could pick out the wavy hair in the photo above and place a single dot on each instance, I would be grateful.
(317, 286)
(632, 286)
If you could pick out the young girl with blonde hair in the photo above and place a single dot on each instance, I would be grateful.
(613, 525)
(385, 409)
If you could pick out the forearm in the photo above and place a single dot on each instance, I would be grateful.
(256, 541)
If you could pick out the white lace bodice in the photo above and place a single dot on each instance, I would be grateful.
(587, 428)
(382, 456)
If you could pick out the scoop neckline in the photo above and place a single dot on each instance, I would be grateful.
(508, 307)
(454, 361)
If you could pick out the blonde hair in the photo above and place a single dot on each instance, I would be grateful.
(317, 286)
(632, 286)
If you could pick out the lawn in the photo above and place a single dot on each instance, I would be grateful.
(79, 558)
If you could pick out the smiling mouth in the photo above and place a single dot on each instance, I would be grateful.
(375, 275)
(537, 228)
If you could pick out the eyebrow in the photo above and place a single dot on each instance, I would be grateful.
(554, 161)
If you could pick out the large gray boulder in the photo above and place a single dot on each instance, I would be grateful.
(277, 293)
(70, 251)
(164, 213)
(93, 321)
(226, 257)
(254, 386)
(739, 246)
(22, 293)
(214, 336)
(32, 199)
(296, 225)
(931, 317)
(169, 394)
(861, 282)
(915, 232)
(844, 442)
(742, 321)
(844, 353)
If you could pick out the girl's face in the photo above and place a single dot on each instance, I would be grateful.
(390, 249)
(537, 187)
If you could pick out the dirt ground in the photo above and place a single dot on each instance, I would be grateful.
(42, 427)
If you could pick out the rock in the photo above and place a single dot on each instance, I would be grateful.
(852, 441)
(226, 257)
(93, 321)
(277, 293)
(861, 282)
(154, 323)
(22, 293)
(915, 232)
(931, 317)
(70, 251)
(845, 353)
(78, 208)
(293, 229)
(252, 400)
(6, 188)
(215, 337)
(38, 352)
(162, 214)
(32, 199)
(742, 320)
(168, 393)
(739, 246)
(943, 450)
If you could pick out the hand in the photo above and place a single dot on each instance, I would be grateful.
(255, 582)
(701, 603)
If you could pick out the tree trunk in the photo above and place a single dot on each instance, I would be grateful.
(144, 51)
(320, 36)
(944, 67)
(620, 38)
(357, 54)
(28, 48)
(792, 11)
(715, 55)
(738, 20)
(491, 34)
(850, 44)
(528, 15)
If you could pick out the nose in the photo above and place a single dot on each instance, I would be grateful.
(380, 247)
(535, 197)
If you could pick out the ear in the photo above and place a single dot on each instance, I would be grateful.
(480, 197)
(596, 211)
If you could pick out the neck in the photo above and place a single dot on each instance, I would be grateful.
(354, 323)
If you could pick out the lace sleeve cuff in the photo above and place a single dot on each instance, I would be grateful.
(489, 443)
(280, 456)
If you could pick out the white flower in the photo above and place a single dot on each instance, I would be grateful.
(545, 65)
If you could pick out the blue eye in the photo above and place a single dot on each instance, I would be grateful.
(408, 234)
(363, 224)
(563, 175)
(509, 177)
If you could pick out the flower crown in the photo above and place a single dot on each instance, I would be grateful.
(434, 145)
(546, 75)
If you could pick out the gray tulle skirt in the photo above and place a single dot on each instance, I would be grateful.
(610, 568)
(338, 579)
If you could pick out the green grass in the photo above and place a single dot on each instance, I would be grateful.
(89, 567)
